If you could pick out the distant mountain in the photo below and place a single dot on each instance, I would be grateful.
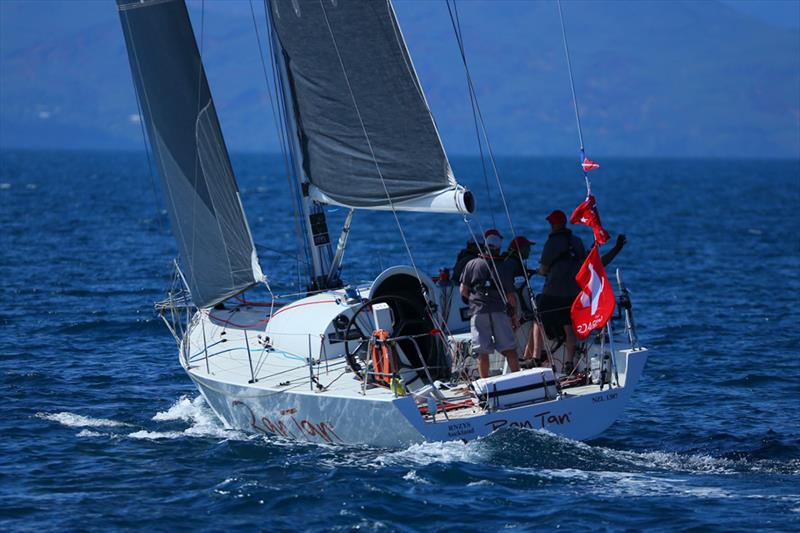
(677, 78)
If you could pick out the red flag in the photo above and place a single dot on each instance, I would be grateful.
(588, 164)
(595, 304)
(587, 214)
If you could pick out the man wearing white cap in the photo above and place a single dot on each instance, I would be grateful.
(489, 289)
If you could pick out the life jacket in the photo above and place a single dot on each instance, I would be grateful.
(384, 358)
(488, 287)
(570, 253)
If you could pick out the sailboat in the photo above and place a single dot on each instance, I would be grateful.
(385, 363)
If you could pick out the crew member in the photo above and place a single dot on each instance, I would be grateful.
(467, 254)
(471, 251)
(519, 249)
(489, 290)
(562, 257)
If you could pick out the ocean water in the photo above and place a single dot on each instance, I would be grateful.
(101, 428)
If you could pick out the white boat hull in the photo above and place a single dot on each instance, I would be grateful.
(282, 371)
(397, 422)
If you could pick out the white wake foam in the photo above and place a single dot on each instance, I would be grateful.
(89, 433)
(434, 452)
(79, 421)
(204, 423)
(155, 435)
(609, 460)
(413, 476)
(183, 409)
(673, 461)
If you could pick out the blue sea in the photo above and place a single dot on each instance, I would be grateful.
(100, 428)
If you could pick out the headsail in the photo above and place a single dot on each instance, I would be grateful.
(214, 240)
(366, 135)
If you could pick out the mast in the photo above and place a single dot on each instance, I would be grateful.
(359, 126)
(314, 221)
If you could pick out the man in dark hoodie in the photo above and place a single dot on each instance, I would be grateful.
(562, 257)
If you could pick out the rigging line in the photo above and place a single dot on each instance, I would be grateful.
(378, 168)
(574, 96)
(488, 143)
(266, 81)
(286, 146)
(284, 253)
(569, 69)
(275, 119)
(197, 115)
(294, 184)
(161, 228)
(177, 227)
(456, 23)
(147, 150)
(459, 38)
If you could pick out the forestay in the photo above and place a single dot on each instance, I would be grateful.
(214, 240)
(365, 134)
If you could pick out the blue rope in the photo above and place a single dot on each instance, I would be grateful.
(199, 356)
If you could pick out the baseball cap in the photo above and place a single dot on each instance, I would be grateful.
(493, 241)
(520, 242)
(492, 231)
(557, 217)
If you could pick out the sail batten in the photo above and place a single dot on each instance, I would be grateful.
(365, 134)
(218, 257)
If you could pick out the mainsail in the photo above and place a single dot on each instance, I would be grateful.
(364, 131)
(216, 248)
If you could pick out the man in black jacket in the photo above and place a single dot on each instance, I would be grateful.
(562, 257)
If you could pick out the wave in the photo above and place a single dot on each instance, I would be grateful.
(412, 476)
(155, 435)
(78, 421)
(541, 451)
(628, 484)
(428, 453)
(90, 433)
(526, 451)
(204, 423)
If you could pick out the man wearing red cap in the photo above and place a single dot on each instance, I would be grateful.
(519, 249)
(562, 256)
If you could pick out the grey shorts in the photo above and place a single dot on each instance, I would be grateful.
(492, 334)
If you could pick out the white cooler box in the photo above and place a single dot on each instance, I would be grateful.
(517, 388)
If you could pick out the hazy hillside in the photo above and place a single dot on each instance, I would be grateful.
(653, 78)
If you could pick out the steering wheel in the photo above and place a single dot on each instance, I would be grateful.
(406, 314)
